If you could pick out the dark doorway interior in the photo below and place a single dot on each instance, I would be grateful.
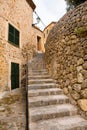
(14, 75)
(38, 43)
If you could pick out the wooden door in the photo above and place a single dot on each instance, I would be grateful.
(14, 75)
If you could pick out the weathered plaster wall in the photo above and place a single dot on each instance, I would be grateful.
(66, 55)
(20, 15)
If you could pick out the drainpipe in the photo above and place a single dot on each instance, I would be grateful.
(27, 105)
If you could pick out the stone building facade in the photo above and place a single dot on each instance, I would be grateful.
(38, 38)
(47, 30)
(66, 55)
(16, 37)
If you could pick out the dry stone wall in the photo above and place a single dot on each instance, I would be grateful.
(66, 55)
(28, 52)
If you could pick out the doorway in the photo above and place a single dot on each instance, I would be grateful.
(38, 43)
(14, 75)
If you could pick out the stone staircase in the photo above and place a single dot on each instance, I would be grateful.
(49, 108)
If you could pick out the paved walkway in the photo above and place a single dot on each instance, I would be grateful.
(13, 110)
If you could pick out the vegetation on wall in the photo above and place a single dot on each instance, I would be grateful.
(73, 3)
(81, 31)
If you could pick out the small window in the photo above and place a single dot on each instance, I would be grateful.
(47, 31)
(13, 35)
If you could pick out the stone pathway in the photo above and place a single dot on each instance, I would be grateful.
(13, 110)
(49, 108)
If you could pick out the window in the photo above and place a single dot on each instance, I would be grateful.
(13, 35)
(47, 31)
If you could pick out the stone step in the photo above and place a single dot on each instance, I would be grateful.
(39, 77)
(37, 73)
(64, 123)
(42, 86)
(42, 81)
(42, 70)
(44, 92)
(52, 111)
(48, 100)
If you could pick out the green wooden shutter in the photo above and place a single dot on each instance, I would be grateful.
(14, 75)
(16, 37)
(13, 35)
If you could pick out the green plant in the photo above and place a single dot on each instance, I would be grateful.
(73, 3)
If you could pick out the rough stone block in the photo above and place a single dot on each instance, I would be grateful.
(83, 104)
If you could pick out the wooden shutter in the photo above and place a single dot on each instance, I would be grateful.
(13, 35)
(16, 37)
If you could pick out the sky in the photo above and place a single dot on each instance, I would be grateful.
(49, 11)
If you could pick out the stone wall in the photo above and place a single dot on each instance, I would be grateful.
(3, 68)
(37, 33)
(46, 31)
(28, 52)
(20, 15)
(66, 55)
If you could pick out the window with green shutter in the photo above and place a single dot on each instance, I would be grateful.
(13, 35)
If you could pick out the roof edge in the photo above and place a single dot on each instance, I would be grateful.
(31, 3)
(37, 28)
(49, 25)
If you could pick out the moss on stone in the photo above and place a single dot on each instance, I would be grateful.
(81, 31)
